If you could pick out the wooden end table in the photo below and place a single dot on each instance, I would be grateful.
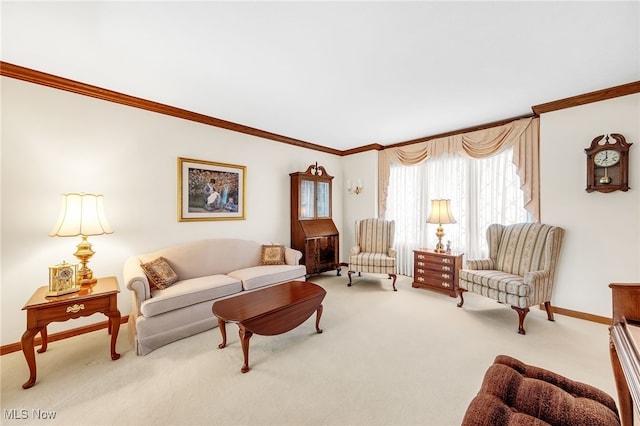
(41, 310)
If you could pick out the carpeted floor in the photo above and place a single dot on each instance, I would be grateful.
(405, 358)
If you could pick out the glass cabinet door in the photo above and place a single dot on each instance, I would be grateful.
(323, 199)
(307, 199)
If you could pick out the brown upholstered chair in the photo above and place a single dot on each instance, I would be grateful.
(514, 393)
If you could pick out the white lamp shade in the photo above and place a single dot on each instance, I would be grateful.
(440, 212)
(81, 214)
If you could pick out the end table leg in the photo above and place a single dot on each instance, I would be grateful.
(114, 322)
(45, 339)
(222, 325)
(245, 335)
(29, 355)
(318, 315)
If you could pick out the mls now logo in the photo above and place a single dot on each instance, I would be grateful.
(24, 414)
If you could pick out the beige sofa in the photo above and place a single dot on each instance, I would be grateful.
(206, 270)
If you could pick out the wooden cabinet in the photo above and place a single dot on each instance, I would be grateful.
(436, 271)
(312, 229)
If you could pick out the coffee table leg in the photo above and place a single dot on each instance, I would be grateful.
(318, 315)
(222, 325)
(245, 335)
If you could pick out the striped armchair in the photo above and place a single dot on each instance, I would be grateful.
(374, 252)
(520, 270)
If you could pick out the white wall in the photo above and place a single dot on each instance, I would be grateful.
(55, 142)
(602, 241)
(363, 166)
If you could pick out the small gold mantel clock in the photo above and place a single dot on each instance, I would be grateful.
(608, 164)
(63, 279)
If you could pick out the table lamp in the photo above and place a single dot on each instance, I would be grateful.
(82, 214)
(440, 214)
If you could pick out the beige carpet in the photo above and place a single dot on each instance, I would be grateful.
(405, 358)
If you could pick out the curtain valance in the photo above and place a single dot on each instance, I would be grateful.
(522, 135)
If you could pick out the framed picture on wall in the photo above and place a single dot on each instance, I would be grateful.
(210, 191)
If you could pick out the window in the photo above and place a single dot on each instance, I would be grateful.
(482, 191)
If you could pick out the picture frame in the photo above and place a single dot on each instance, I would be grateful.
(210, 191)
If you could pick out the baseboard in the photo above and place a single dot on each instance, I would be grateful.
(579, 315)
(14, 347)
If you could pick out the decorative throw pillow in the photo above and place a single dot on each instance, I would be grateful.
(159, 273)
(272, 255)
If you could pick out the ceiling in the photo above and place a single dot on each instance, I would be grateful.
(337, 74)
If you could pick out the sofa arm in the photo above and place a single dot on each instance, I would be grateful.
(535, 276)
(136, 281)
(292, 256)
(355, 250)
(480, 264)
(391, 252)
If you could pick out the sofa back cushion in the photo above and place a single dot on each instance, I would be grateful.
(375, 235)
(522, 248)
(208, 257)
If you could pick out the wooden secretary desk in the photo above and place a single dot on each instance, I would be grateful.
(312, 229)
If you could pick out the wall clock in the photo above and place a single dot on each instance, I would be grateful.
(608, 164)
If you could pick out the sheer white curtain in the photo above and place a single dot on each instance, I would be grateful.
(482, 192)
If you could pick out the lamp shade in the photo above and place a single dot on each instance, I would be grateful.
(81, 214)
(440, 212)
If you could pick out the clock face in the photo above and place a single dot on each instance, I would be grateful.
(65, 274)
(607, 158)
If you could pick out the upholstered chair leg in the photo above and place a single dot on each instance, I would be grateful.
(349, 274)
(460, 293)
(394, 281)
(522, 313)
(547, 307)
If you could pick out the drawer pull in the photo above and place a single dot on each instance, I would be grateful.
(445, 260)
(421, 271)
(75, 308)
(421, 279)
(420, 263)
(447, 268)
(447, 285)
(446, 276)
(421, 256)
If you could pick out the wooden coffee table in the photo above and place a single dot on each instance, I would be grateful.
(269, 311)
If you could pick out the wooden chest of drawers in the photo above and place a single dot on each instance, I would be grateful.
(436, 271)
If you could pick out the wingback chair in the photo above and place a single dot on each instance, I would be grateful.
(520, 270)
(374, 252)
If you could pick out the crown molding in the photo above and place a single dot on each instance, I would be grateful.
(587, 98)
(50, 80)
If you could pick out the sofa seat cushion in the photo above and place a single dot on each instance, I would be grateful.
(496, 280)
(189, 292)
(379, 260)
(260, 276)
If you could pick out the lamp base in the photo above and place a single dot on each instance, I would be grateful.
(84, 253)
(87, 282)
(439, 233)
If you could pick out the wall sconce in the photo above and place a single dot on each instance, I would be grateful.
(357, 189)
(83, 215)
(440, 214)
